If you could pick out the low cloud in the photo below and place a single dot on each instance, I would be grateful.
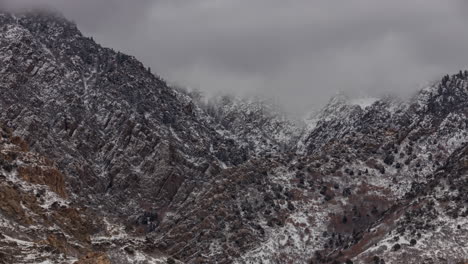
(299, 52)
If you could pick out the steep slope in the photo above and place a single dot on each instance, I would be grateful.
(144, 171)
(111, 125)
(433, 226)
(39, 223)
(134, 150)
(334, 203)
(256, 124)
(37, 220)
(366, 164)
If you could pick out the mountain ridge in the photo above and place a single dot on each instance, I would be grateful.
(167, 177)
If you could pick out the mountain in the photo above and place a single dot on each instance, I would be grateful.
(386, 156)
(104, 162)
(102, 116)
(258, 125)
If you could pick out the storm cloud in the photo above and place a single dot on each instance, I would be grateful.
(299, 52)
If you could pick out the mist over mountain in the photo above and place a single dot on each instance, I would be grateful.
(103, 161)
(299, 54)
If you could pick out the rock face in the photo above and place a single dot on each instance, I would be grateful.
(257, 125)
(112, 126)
(37, 220)
(103, 162)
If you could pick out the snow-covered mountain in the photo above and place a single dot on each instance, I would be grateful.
(377, 168)
(256, 124)
(103, 162)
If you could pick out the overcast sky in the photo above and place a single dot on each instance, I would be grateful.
(299, 51)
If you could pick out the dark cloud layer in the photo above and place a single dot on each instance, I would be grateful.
(300, 52)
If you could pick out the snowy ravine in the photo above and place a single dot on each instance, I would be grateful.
(103, 162)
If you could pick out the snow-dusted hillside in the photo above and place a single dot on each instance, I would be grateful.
(256, 124)
(139, 172)
(385, 185)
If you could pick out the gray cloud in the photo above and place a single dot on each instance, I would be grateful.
(299, 52)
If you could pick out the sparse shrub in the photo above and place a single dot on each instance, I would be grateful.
(389, 159)
(347, 192)
(381, 169)
(323, 191)
(8, 167)
(376, 259)
(129, 250)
